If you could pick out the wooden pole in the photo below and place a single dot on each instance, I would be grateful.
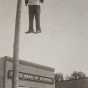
(16, 46)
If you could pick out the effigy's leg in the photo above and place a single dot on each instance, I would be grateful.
(37, 18)
(31, 18)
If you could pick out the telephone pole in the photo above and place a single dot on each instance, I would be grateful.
(16, 46)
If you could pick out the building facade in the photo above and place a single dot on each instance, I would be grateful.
(31, 75)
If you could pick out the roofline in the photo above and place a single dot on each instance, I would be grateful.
(47, 68)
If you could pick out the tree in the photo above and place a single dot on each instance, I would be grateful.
(59, 77)
(77, 75)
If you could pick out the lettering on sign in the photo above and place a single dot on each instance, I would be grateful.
(31, 77)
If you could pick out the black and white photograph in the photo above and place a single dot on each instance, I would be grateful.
(43, 43)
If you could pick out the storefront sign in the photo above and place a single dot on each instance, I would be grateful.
(32, 77)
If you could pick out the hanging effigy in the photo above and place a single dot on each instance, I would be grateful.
(34, 11)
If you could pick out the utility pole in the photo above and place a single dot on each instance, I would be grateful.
(16, 46)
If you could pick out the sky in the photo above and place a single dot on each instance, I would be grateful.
(63, 43)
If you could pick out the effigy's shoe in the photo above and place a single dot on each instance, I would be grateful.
(38, 31)
(29, 31)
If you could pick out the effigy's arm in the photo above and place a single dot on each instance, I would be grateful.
(41, 1)
(26, 2)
